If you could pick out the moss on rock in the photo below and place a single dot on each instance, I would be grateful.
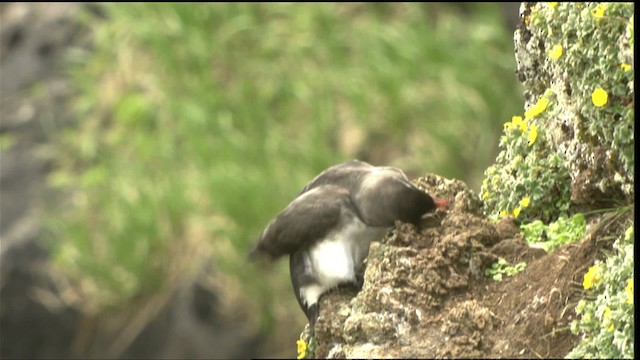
(576, 63)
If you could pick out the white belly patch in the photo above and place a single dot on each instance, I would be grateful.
(333, 261)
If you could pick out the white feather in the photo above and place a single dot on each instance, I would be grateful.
(333, 260)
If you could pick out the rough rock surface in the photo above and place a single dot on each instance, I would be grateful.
(425, 293)
(34, 323)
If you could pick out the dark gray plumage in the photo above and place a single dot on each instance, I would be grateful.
(328, 227)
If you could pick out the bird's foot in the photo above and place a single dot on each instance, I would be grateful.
(307, 344)
(359, 280)
(313, 312)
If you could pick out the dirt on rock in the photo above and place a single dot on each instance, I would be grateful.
(425, 294)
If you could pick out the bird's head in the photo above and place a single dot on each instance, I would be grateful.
(418, 205)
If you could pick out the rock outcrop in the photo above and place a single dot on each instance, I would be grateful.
(425, 294)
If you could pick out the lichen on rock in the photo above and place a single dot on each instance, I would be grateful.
(410, 275)
(575, 61)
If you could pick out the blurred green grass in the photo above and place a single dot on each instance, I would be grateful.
(197, 123)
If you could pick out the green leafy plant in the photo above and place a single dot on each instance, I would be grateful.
(562, 231)
(306, 345)
(539, 184)
(559, 140)
(502, 267)
(597, 77)
(606, 314)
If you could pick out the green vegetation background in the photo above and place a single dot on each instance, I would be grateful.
(197, 123)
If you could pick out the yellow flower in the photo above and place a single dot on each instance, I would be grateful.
(556, 52)
(503, 213)
(598, 12)
(629, 290)
(533, 135)
(552, 5)
(516, 212)
(302, 349)
(599, 97)
(607, 318)
(519, 123)
(537, 109)
(543, 103)
(592, 277)
(485, 195)
(535, 8)
(525, 201)
(625, 67)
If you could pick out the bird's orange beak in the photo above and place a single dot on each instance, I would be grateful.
(441, 203)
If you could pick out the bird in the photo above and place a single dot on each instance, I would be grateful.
(328, 227)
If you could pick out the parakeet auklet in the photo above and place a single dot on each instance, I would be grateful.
(327, 229)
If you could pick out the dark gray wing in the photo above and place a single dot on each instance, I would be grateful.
(308, 218)
(347, 174)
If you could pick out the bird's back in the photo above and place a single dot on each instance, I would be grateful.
(376, 195)
(347, 175)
